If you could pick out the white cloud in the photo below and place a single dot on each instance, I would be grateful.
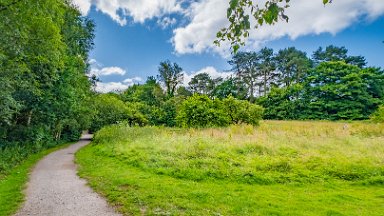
(112, 70)
(204, 18)
(83, 5)
(166, 22)
(111, 87)
(134, 80)
(98, 69)
(117, 86)
(306, 18)
(207, 17)
(211, 71)
(138, 10)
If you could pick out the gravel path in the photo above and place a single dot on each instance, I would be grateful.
(55, 189)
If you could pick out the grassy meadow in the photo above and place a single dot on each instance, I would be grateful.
(278, 168)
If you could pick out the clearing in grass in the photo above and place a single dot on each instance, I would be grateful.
(278, 168)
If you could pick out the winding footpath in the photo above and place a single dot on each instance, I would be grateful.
(55, 189)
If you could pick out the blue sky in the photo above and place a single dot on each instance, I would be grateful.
(132, 40)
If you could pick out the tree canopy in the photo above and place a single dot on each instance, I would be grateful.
(45, 93)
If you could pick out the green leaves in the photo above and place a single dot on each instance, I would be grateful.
(240, 24)
(44, 45)
(331, 91)
(271, 14)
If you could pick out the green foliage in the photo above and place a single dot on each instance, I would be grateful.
(332, 91)
(242, 112)
(45, 93)
(43, 50)
(201, 111)
(230, 87)
(333, 53)
(293, 66)
(149, 93)
(268, 13)
(201, 83)
(171, 76)
(378, 115)
(110, 110)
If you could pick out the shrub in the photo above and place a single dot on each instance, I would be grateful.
(110, 110)
(378, 116)
(200, 111)
(241, 111)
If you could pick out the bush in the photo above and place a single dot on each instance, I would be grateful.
(200, 111)
(378, 116)
(110, 110)
(240, 111)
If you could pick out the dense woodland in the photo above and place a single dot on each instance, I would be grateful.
(46, 92)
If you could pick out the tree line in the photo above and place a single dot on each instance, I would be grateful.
(45, 92)
(331, 85)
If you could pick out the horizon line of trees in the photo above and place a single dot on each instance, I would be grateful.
(331, 85)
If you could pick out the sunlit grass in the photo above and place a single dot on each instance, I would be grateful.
(308, 160)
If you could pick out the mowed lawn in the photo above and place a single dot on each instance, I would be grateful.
(278, 168)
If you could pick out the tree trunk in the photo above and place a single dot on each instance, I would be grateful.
(29, 119)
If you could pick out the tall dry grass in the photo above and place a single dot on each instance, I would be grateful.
(274, 152)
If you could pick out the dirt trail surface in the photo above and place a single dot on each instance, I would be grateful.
(55, 189)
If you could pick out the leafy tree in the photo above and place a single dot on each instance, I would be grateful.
(43, 50)
(332, 91)
(267, 69)
(183, 92)
(337, 90)
(334, 53)
(171, 76)
(292, 65)
(169, 111)
(246, 65)
(230, 87)
(284, 103)
(149, 93)
(135, 116)
(201, 83)
(109, 110)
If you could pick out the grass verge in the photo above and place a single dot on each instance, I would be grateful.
(13, 184)
(279, 168)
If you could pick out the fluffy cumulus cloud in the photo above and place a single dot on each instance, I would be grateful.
(211, 71)
(98, 69)
(138, 10)
(117, 86)
(110, 87)
(306, 18)
(134, 80)
(202, 19)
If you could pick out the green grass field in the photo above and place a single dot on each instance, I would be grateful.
(278, 168)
